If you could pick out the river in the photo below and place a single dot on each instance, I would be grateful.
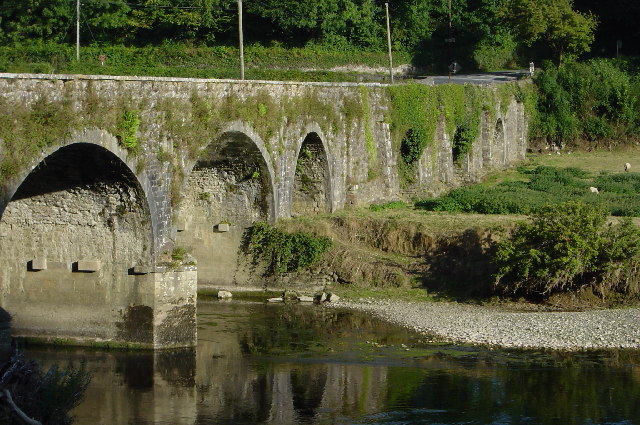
(304, 364)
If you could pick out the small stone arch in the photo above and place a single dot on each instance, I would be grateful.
(228, 187)
(312, 188)
(239, 139)
(500, 141)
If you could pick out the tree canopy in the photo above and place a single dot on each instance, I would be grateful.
(488, 34)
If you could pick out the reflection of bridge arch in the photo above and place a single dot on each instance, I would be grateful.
(311, 190)
(229, 187)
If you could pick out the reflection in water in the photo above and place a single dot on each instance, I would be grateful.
(291, 364)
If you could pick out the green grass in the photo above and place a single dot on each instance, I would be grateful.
(350, 293)
(537, 184)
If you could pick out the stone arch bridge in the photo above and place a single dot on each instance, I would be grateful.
(106, 180)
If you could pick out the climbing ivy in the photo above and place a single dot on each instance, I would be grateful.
(127, 129)
(416, 109)
(283, 252)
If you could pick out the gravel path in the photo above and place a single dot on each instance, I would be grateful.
(491, 326)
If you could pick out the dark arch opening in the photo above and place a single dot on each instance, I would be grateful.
(311, 186)
(499, 141)
(228, 190)
(231, 166)
(75, 166)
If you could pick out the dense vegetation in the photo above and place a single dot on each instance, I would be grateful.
(596, 101)
(282, 251)
(541, 186)
(568, 247)
(489, 34)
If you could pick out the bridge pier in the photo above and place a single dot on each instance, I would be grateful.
(60, 305)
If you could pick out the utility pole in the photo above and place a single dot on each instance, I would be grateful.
(241, 39)
(386, 5)
(78, 30)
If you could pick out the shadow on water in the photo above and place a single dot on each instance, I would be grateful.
(293, 364)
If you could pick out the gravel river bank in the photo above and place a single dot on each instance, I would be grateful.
(462, 323)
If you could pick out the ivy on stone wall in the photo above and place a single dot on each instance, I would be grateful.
(417, 108)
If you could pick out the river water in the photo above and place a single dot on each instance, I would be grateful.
(292, 364)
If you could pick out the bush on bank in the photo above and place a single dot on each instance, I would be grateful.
(282, 251)
(568, 247)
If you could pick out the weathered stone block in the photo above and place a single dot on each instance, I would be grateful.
(38, 264)
(88, 265)
(142, 269)
(181, 225)
(223, 227)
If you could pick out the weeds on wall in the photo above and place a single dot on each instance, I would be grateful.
(417, 108)
(27, 130)
(283, 252)
(127, 129)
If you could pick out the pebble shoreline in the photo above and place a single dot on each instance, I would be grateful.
(480, 325)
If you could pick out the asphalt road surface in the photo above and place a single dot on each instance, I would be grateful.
(479, 79)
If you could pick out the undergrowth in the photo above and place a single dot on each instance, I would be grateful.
(568, 247)
(281, 251)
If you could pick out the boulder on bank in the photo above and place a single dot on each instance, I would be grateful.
(305, 299)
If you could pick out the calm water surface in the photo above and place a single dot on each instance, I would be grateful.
(293, 364)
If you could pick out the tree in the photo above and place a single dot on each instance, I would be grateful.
(555, 24)
(35, 19)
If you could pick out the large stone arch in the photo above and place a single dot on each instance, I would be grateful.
(228, 187)
(315, 194)
(109, 143)
(75, 227)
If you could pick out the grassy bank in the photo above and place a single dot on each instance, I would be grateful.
(402, 252)
(552, 179)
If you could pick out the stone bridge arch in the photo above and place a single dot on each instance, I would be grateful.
(77, 225)
(309, 177)
(146, 179)
(228, 187)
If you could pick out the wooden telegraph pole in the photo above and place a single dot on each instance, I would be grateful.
(241, 39)
(78, 30)
(386, 5)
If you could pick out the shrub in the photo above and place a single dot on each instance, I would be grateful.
(283, 252)
(567, 247)
(45, 397)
